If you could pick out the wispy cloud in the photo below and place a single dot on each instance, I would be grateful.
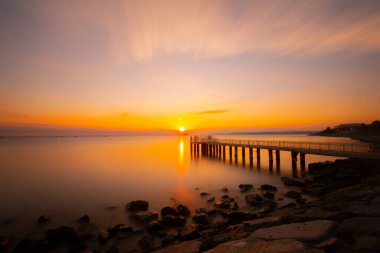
(210, 112)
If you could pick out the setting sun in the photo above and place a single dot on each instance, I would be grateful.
(181, 129)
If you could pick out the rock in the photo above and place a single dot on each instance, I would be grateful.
(291, 181)
(120, 229)
(352, 228)
(367, 243)
(190, 233)
(113, 249)
(317, 168)
(136, 206)
(304, 231)
(32, 246)
(183, 210)
(167, 210)
(289, 205)
(4, 242)
(43, 219)
(262, 223)
(212, 199)
(253, 245)
(63, 234)
(154, 227)
(204, 194)
(224, 189)
(144, 244)
(84, 219)
(201, 219)
(238, 217)
(253, 199)
(293, 194)
(268, 187)
(172, 220)
(268, 195)
(103, 236)
(328, 244)
(146, 217)
(245, 187)
(183, 247)
(226, 203)
(267, 207)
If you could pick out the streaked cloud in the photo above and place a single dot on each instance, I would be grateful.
(210, 112)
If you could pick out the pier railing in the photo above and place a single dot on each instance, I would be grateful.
(300, 145)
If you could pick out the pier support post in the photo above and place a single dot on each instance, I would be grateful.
(270, 154)
(224, 152)
(303, 161)
(258, 154)
(243, 155)
(220, 151)
(277, 156)
(236, 153)
(230, 152)
(251, 157)
(294, 160)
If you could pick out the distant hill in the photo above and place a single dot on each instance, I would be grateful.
(362, 132)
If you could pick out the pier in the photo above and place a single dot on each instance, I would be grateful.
(215, 147)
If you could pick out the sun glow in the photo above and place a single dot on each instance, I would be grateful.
(182, 129)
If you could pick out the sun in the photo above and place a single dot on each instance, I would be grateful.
(182, 129)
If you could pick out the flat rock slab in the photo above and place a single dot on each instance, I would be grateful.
(183, 247)
(254, 245)
(263, 222)
(303, 231)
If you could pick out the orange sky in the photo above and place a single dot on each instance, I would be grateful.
(142, 65)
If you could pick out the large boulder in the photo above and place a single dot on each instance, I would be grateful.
(292, 181)
(146, 217)
(137, 205)
(303, 231)
(183, 247)
(253, 245)
(245, 187)
(32, 246)
(268, 187)
(168, 210)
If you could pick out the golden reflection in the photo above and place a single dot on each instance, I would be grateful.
(181, 192)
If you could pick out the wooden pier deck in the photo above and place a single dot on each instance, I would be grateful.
(209, 146)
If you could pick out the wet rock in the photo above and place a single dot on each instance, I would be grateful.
(146, 217)
(304, 231)
(293, 194)
(183, 210)
(84, 219)
(167, 210)
(252, 245)
(367, 243)
(328, 245)
(212, 199)
(136, 206)
(103, 236)
(234, 205)
(238, 217)
(300, 201)
(145, 244)
(201, 219)
(190, 233)
(183, 247)
(113, 249)
(43, 219)
(321, 167)
(289, 205)
(268, 187)
(63, 234)
(267, 208)
(32, 246)
(268, 195)
(245, 187)
(262, 222)
(223, 203)
(291, 181)
(224, 189)
(120, 229)
(154, 227)
(4, 242)
(253, 199)
(172, 220)
(202, 210)
(204, 194)
(352, 228)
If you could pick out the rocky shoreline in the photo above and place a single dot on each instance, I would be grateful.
(342, 216)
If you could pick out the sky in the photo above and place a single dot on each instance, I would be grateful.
(205, 65)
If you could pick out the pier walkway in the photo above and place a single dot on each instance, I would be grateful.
(209, 146)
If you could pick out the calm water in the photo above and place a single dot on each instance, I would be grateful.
(69, 177)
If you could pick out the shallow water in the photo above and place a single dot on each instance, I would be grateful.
(69, 177)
